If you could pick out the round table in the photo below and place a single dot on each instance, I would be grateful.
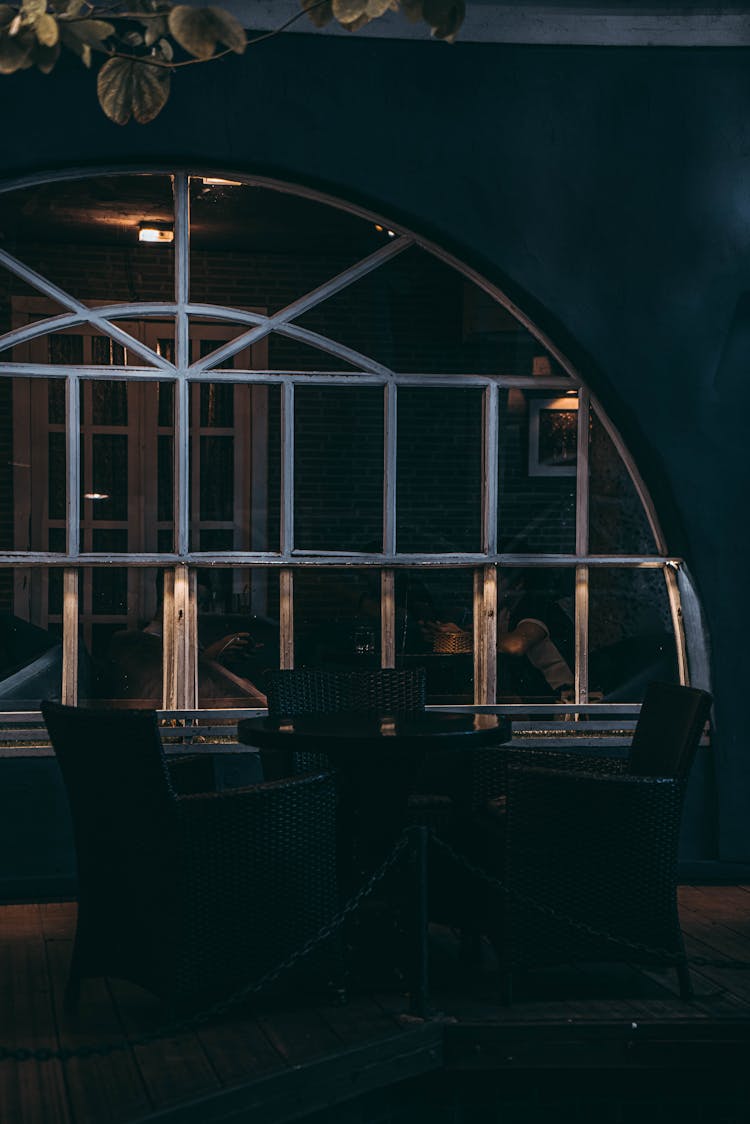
(377, 757)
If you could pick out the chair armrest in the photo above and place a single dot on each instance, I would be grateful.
(567, 759)
(192, 773)
(602, 827)
(272, 825)
(599, 848)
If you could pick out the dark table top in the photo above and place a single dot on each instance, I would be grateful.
(421, 730)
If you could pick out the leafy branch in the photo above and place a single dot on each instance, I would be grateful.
(144, 42)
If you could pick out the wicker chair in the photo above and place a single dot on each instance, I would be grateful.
(312, 691)
(595, 839)
(190, 896)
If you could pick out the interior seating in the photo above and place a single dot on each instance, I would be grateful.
(190, 895)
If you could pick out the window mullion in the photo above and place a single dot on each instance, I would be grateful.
(485, 580)
(286, 576)
(582, 548)
(387, 579)
(70, 637)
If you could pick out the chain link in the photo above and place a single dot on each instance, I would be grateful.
(583, 926)
(221, 1007)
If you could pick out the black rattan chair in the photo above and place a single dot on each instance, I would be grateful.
(190, 896)
(587, 847)
(313, 691)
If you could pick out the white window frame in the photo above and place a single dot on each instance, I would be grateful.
(180, 692)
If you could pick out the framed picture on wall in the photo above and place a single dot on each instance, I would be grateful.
(553, 436)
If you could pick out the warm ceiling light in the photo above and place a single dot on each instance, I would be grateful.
(96, 495)
(212, 181)
(155, 232)
(384, 230)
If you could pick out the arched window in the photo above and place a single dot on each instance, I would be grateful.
(244, 428)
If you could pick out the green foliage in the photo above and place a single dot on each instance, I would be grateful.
(146, 41)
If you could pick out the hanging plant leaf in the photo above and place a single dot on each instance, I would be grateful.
(200, 30)
(129, 87)
(444, 17)
(349, 11)
(154, 30)
(377, 8)
(15, 52)
(320, 14)
(47, 30)
(45, 57)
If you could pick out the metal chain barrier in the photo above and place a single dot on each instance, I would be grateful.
(582, 926)
(221, 1007)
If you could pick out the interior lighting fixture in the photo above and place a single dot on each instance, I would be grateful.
(96, 495)
(155, 232)
(384, 230)
(212, 181)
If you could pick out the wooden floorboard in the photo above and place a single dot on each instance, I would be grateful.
(273, 1060)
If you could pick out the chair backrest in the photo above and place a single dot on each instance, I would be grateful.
(117, 783)
(314, 691)
(668, 730)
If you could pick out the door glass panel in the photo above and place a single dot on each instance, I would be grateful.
(126, 438)
(234, 466)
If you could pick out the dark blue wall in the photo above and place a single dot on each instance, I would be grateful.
(607, 190)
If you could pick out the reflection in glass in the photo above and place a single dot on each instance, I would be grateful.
(127, 432)
(33, 469)
(30, 641)
(337, 619)
(238, 635)
(631, 635)
(235, 466)
(338, 479)
(536, 502)
(439, 483)
(434, 611)
(121, 631)
(617, 520)
(535, 635)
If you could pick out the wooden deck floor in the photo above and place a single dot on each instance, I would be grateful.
(279, 1062)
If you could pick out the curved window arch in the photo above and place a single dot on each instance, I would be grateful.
(248, 428)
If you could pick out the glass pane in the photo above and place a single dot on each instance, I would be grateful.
(617, 520)
(415, 314)
(251, 246)
(238, 634)
(33, 469)
(434, 620)
(630, 630)
(30, 639)
(235, 466)
(84, 235)
(126, 462)
(536, 635)
(338, 476)
(537, 472)
(337, 618)
(121, 630)
(439, 478)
